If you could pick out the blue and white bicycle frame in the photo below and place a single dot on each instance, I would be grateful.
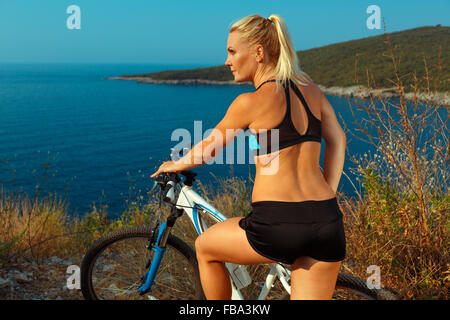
(195, 206)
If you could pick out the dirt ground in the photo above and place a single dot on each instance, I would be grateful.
(43, 280)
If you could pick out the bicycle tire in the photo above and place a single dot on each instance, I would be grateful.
(358, 287)
(103, 250)
(349, 287)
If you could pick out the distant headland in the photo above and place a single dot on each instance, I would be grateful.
(342, 69)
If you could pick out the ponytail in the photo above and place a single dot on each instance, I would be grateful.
(288, 66)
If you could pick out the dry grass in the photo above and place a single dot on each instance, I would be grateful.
(31, 228)
(401, 223)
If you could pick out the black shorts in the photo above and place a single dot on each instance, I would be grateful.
(284, 231)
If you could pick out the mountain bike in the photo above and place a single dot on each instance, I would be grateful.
(149, 262)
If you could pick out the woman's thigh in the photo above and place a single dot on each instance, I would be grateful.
(226, 241)
(312, 279)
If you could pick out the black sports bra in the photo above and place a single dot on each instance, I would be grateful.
(288, 135)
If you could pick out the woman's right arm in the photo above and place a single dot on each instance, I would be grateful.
(335, 144)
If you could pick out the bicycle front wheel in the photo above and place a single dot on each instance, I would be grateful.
(113, 268)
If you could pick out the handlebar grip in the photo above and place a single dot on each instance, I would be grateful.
(168, 194)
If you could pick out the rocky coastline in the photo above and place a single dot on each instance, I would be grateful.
(439, 98)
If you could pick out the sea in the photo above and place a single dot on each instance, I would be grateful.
(67, 131)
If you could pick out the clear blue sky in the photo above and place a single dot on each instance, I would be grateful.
(188, 31)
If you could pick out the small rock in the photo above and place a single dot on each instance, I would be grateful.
(13, 285)
(21, 277)
(55, 260)
(58, 260)
(4, 283)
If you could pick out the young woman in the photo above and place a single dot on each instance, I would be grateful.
(295, 218)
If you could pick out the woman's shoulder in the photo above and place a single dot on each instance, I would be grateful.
(311, 87)
(310, 91)
(241, 106)
(244, 100)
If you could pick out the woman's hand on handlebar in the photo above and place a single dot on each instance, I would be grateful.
(168, 166)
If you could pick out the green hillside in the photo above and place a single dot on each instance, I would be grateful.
(334, 65)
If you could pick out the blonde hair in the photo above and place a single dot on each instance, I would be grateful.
(273, 35)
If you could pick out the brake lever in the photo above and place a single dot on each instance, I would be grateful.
(161, 180)
(155, 184)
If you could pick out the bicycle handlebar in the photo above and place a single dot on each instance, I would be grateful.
(168, 182)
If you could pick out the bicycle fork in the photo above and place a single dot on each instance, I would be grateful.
(160, 249)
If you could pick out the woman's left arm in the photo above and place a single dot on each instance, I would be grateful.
(237, 118)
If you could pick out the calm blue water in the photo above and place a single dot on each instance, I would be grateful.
(65, 129)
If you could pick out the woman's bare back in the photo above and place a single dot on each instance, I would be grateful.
(293, 173)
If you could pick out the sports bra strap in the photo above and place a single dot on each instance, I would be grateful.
(288, 101)
(302, 99)
(272, 80)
